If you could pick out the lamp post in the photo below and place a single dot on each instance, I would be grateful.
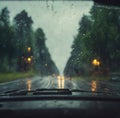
(96, 63)
(29, 49)
(29, 57)
(29, 60)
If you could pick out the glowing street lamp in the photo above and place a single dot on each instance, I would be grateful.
(96, 62)
(61, 82)
(29, 59)
(29, 49)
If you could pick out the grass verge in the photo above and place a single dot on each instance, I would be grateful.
(6, 77)
(90, 78)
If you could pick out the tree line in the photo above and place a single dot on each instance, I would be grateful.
(22, 48)
(96, 48)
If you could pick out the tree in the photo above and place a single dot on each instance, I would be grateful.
(4, 17)
(44, 63)
(80, 55)
(105, 35)
(98, 37)
(6, 41)
(23, 38)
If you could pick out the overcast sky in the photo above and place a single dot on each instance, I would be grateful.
(59, 21)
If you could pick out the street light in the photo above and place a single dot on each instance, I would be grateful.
(29, 49)
(29, 59)
(96, 62)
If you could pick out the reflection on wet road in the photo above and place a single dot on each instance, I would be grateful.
(93, 86)
(29, 85)
(59, 82)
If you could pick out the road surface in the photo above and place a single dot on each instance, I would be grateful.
(51, 82)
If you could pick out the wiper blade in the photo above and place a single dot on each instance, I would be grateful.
(59, 97)
(87, 91)
(17, 92)
(10, 91)
(24, 92)
(52, 92)
(96, 92)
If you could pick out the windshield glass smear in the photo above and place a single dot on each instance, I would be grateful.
(59, 45)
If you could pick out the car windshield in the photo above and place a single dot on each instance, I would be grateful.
(59, 45)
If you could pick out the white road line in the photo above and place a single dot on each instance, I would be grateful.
(48, 83)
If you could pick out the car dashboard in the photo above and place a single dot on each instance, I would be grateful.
(58, 104)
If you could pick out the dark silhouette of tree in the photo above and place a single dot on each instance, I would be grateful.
(6, 41)
(98, 37)
(4, 17)
(23, 37)
(22, 49)
(44, 63)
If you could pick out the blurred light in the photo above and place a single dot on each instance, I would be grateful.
(95, 62)
(93, 86)
(58, 77)
(29, 59)
(29, 49)
(29, 85)
(61, 82)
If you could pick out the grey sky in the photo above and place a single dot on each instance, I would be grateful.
(59, 20)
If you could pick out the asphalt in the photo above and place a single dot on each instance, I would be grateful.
(52, 82)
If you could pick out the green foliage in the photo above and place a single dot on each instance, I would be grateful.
(98, 37)
(4, 17)
(6, 77)
(43, 62)
(23, 39)
(6, 41)
(22, 49)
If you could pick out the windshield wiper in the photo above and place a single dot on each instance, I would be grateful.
(88, 91)
(45, 91)
(17, 92)
(53, 94)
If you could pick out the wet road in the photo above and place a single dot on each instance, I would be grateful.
(60, 82)
(39, 82)
(54, 108)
